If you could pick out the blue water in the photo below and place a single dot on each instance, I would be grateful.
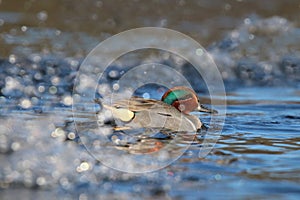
(257, 155)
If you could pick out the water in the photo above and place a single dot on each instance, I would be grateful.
(257, 155)
(256, 47)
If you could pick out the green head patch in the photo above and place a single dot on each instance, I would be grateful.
(176, 95)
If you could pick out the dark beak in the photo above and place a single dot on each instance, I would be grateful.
(202, 108)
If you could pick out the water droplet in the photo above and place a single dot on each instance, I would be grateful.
(42, 15)
(68, 100)
(146, 95)
(25, 103)
(38, 76)
(15, 146)
(53, 90)
(57, 32)
(116, 86)
(34, 100)
(12, 58)
(71, 136)
(199, 52)
(218, 177)
(235, 34)
(55, 80)
(74, 63)
(24, 28)
(35, 58)
(247, 21)
(113, 74)
(41, 89)
(41, 181)
(59, 132)
(84, 166)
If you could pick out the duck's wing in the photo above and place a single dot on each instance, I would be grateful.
(137, 104)
(125, 110)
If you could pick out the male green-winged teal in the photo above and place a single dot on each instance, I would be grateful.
(171, 113)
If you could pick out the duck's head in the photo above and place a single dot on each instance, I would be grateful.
(185, 100)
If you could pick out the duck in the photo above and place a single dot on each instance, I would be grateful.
(171, 113)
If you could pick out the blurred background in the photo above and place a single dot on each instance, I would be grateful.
(256, 46)
(73, 28)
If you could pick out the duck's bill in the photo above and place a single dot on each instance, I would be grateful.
(202, 108)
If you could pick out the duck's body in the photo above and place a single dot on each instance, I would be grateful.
(171, 113)
(138, 112)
